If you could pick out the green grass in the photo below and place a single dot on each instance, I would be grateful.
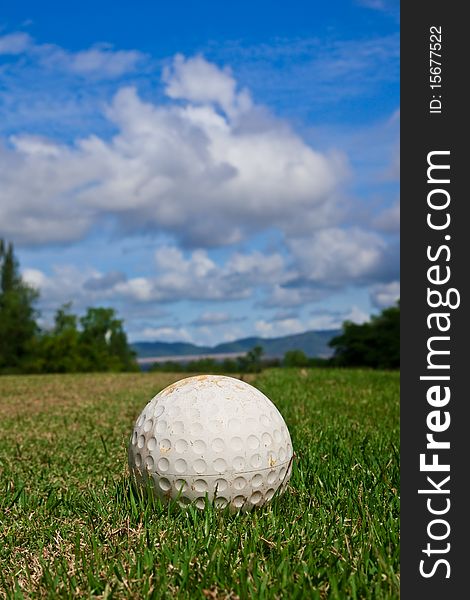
(71, 525)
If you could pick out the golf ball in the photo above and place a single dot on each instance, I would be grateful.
(211, 436)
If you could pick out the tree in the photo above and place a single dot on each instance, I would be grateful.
(251, 362)
(229, 365)
(59, 349)
(168, 366)
(17, 314)
(374, 344)
(295, 358)
(103, 342)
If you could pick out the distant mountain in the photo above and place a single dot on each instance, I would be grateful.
(313, 343)
(145, 349)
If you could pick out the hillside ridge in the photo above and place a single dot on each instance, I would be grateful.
(313, 343)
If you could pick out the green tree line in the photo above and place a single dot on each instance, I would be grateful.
(95, 342)
(251, 362)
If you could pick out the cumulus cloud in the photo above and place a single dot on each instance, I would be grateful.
(15, 43)
(197, 277)
(330, 260)
(87, 287)
(325, 321)
(35, 278)
(175, 277)
(384, 295)
(389, 219)
(279, 328)
(321, 320)
(186, 170)
(356, 315)
(193, 276)
(104, 282)
(64, 284)
(196, 80)
(204, 169)
(337, 257)
(36, 179)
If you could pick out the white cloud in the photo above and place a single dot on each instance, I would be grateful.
(279, 327)
(175, 278)
(384, 295)
(206, 168)
(325, 318)
(197, 277)
(36, 179)
(84, 287)
(357, 315)
(339, 257)
(100, 60)
(325, 321)
(185, 170)
(138, 288)
(170, 259)
(255, 268)
(104, 282)
(389, 219)
(64, 284)
(103, 61)
(35, 278)
(197, 80)
(15, 43)
(321, 321)
(34, 145)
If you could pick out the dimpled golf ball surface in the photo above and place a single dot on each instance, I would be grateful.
(212, 436)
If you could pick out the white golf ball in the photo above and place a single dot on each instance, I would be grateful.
(212, 436)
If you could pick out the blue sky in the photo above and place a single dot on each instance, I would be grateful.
(211, 170)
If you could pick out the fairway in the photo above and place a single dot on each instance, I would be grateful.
(71, 524)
